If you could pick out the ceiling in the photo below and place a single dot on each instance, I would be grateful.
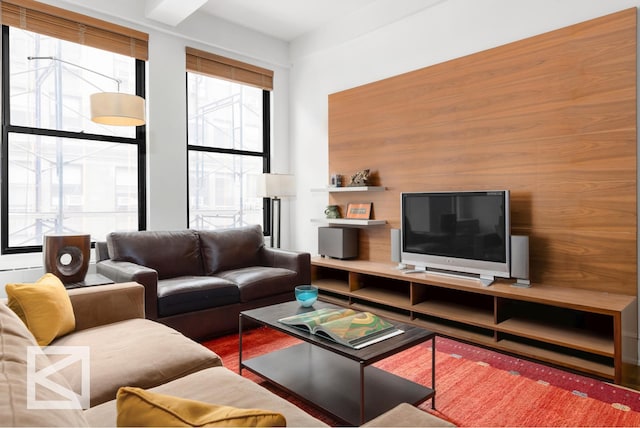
(282, 19)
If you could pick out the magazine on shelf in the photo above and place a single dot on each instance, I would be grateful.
(344, 326)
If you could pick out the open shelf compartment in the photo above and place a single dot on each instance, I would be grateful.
(386, 291)
(579, 330)
(570, 358)
(334, 280)
(460, 306)
(335, 298)
(448, 327)
(382, 310)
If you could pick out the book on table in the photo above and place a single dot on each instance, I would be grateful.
(344, 326)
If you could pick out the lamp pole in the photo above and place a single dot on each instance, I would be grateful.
(53, 58)
(275, 222)
(275, 186)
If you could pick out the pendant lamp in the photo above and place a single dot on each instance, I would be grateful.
(116, 108)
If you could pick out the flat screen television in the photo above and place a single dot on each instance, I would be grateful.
(466, 232)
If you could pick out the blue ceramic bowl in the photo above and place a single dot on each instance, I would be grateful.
(306, 295)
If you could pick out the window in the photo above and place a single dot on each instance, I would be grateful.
(61, 172)
(228, 144)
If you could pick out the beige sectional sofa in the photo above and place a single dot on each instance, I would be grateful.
(128, 350)
(125, 350)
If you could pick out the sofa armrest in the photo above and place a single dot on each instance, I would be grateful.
(294, 260)
(131, 272)
(106, 304)
(101, 250)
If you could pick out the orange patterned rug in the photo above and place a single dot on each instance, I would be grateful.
(475, 386)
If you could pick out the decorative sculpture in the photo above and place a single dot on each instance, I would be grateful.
(360, 178)
(67, 256)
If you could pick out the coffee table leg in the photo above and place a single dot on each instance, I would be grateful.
(433, 371)
(362, 406)
(240, 344)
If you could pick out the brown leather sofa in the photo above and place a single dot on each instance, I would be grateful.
(198, 282)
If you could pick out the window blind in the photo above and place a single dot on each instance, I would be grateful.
(52, 21)
(229, 69)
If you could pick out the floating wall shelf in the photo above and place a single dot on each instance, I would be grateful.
(349, 221)
(351, 189)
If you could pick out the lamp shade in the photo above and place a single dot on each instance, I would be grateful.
(116, 108)
(275, 185)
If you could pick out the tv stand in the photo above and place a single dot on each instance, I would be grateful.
(408, 271)
(485, 280)
(581, 330)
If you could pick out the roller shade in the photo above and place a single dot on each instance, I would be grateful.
(74, 27)
(229, 69)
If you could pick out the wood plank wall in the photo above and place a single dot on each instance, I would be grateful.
(552, 118)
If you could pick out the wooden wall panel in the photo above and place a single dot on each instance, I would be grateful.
(552, 118)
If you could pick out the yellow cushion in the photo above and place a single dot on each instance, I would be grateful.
(44, 307)
(138, 407)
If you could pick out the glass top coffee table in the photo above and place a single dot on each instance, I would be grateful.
(336, 378)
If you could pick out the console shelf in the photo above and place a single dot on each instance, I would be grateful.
(455, 312)
(575, 338)
(578, 329)
(481, 337)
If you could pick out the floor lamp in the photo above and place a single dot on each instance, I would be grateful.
(109, 108)
(275, 186)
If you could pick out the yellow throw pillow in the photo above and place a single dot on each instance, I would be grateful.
(44, 307)
(140, 408)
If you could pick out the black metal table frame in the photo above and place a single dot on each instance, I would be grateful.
(331, 347)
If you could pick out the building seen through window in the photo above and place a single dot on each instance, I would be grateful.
(227, 152)
(63, 172)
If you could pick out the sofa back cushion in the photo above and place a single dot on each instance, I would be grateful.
(170, 253)
(227, 249)
(13, 387)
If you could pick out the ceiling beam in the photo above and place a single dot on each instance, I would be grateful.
(171, 12)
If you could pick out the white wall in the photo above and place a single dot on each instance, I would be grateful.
(349, 54)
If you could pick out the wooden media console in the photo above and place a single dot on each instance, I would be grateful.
(582, 330)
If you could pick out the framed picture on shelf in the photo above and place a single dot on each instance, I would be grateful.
(359, 211)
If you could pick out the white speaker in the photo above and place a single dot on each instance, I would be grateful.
(396, 248)
(520, 260)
